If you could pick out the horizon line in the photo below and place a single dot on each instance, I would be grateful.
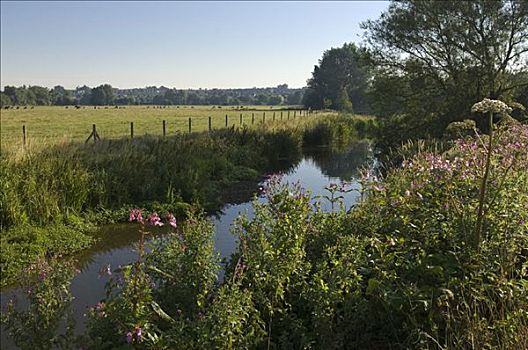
(2, 87)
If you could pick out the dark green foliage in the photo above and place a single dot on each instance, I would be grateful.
(458, 130)
(150, 95)
(5, 100)
(102, 95)
(340, 80)
(434, 59)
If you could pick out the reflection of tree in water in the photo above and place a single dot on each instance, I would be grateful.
(343, 164)
(113, 237)
(244, 191)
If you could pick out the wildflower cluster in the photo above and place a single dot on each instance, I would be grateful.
(466, 159)
(153, 219)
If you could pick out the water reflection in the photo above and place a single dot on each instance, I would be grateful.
(344, 165)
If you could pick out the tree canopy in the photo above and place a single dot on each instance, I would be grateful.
(107, 95)
(437, 58)
(340, 80)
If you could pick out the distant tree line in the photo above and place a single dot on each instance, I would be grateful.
(105, 94)
(425, 63)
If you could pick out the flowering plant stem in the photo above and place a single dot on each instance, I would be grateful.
(482, 195)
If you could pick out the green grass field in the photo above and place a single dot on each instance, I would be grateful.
(60, 124)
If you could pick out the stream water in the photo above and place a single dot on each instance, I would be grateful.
(317, 169)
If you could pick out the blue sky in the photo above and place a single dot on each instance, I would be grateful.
(176, 44)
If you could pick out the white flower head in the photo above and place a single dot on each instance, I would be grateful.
(495, 106)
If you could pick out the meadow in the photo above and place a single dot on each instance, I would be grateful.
(52, 124)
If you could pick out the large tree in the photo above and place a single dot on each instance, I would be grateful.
(340, 80)
(5, 100)
(42, 95)
(102, 95)
(449, 54)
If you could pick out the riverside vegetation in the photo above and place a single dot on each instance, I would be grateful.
(434, 257)
(50, 196)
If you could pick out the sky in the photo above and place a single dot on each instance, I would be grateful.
(174, 44)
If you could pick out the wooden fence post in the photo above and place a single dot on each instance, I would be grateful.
(263, 117)
(164, 129)
(94, 133)
(131, 130)
(240, 118)
(190, 125)
(288, 115)
(210, 127)
(252, 118)
(281, 115)
(226, 120)
(24, 135)
(273, 116)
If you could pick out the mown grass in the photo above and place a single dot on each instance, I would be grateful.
(56, 124)
(68, 184)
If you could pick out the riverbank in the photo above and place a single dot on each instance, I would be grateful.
(67, 188)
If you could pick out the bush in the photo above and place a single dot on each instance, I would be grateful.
(457, 130)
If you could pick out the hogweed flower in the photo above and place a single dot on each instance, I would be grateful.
(494, 106)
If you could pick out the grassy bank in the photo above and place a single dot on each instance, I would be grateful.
(74, 183)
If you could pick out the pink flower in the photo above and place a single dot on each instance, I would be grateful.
(129, 337)
(172, 220)
(138, 333)
(135, 215)
(154, 219)
(99, 309)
